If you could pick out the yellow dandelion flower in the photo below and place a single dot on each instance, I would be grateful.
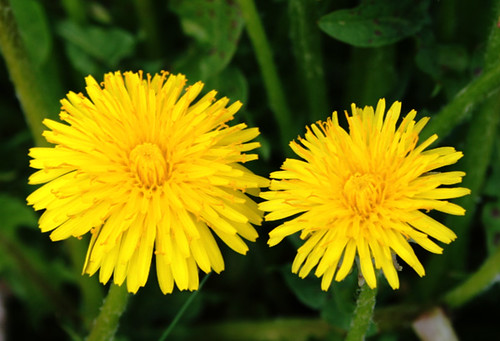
(146, 169)
(361, 195)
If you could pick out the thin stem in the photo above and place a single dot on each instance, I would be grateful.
(476, 283)
(363, 314)
(478, 149)
(106, 323)
(181, 311)
(480, 140)
(463, 103)
(479, 89)
(22, 73)
(268, 70)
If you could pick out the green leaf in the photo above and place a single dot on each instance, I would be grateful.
(215, 27)
(339, 310)
(437, 59)
(14, 213)
(492, 184)
(308, 290)
(376, 23)
(231, 83)
(108, 46)
(491, 220)
(34, 29)
(82, 61)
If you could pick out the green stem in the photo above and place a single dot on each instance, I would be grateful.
(478, 149)
(305, 38)
(106, 323)
(363, 314)
(268, 69)
(183, 309)
(22, 73)
(475, 284)
(455, 112)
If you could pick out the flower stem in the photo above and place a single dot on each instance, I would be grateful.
(484, 86)
(476, 283)
(363, 314)
(481, 137)
(268, 69)
(22, 73)
(455, 111)
(181, 311)
(106, 323)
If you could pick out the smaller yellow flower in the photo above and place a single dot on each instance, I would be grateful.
(361, 195)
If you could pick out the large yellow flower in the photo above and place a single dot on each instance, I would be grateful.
(361, 194)
(147, 170)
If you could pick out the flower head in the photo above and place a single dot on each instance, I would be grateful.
(361, 195)
(146, 170)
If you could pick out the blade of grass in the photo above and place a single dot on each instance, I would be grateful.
(183, 309)
(28, 89)
(272, 83)
(479, 89)
(478, 149)
(476, 283)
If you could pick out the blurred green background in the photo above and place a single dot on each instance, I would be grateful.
(441, 58)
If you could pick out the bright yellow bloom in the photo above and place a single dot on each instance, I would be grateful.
(361, 194)
(147, 170)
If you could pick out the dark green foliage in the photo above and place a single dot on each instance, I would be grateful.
(376, 23)
(438, 57)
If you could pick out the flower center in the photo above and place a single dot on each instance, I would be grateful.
(363, 193)
(148, 164)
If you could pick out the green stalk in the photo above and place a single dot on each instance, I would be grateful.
(268, 69)
(475, 284)
(463, 103)
(363, 314)
(477, 156)
(183, 309)
(106, 323)
(478, 90)
(305, 38)
(28, 89)
(478, 149)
